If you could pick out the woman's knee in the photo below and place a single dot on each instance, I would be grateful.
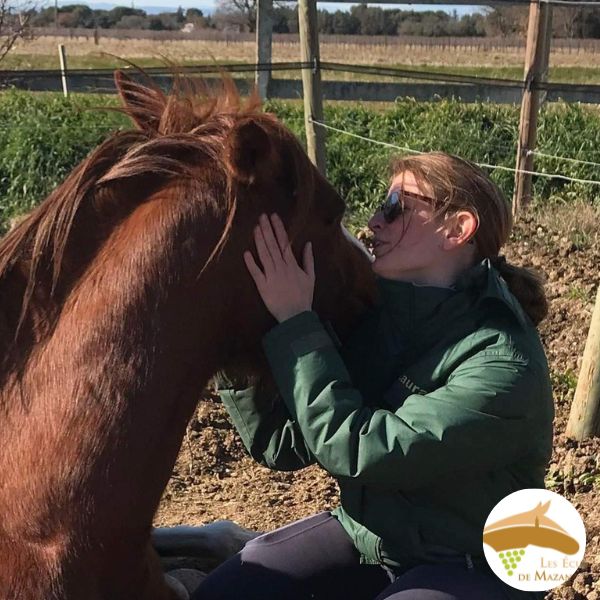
(443, 582)
(281, 563)
(235, 579)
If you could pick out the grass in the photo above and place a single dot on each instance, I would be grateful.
(576, 292)
(577, 221)
(564, 379)
(45, 136)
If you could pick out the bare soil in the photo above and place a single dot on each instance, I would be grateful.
(215, 479)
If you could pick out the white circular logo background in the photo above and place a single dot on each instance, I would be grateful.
(534, 540)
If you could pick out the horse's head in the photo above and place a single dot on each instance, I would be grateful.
(161, 215)
(265, 170)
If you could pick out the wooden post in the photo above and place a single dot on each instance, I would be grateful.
(311, 82)
(62, 55)
(536, 70)
(264, 44)
(584, 418)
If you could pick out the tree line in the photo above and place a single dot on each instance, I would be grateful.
(240, 15)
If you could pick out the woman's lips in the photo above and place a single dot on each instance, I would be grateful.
(377, 244)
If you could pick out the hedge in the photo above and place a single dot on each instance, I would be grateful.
(46, 135)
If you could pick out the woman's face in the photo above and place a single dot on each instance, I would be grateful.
(411, 247)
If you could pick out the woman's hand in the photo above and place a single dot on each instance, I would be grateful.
(285, 287)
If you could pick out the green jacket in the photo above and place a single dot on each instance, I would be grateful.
(439, 406)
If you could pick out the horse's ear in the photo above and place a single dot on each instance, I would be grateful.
(145, 105)
(249, 151)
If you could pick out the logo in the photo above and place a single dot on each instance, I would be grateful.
(534, 540)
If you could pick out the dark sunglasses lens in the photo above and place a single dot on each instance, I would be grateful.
(392, 207)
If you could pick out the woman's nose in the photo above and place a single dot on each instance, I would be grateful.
(376, 222)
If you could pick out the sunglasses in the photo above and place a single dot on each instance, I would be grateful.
(394, 204)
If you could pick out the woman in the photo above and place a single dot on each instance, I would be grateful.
(438, 407)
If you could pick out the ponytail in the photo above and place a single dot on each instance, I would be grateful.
(526, 286)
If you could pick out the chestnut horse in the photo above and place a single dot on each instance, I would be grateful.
(120, 296)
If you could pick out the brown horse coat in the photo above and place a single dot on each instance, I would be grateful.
(120, 296)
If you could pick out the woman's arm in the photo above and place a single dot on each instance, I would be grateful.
(263, 421)
(481, 420)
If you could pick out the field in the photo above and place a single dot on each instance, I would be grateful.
(44, 136)
(566, 66)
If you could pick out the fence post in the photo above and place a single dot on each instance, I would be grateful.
(311, 82)
(62, 55)
(584, 417)
(536, 69)
(264, 44)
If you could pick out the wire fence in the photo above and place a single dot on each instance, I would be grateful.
(14, 77)
(103, 80)
(408, 150)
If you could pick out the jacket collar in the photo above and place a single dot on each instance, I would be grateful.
(407, 312)
(403, 297)
(419, 304)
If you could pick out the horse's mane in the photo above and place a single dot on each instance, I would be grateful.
(175, 132)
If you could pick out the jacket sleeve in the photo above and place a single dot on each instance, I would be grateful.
(479, 421)
(264, 423)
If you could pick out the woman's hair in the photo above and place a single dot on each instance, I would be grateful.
(458, 184)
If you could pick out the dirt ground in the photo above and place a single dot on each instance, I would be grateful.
(214, 478)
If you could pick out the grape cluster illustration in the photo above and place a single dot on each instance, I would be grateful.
(510, 559)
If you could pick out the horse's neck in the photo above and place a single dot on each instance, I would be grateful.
(108, 395)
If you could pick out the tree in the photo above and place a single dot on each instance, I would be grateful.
(284, 19)
(503, 21)
(114, 15)
(345, 23)
(133, 22)
(243, 13)
(75, 15)
(14, 24)
(196, 16)
(237, 12)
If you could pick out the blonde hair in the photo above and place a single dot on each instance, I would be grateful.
(458, 184)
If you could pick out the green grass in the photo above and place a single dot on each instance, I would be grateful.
(567, 380)
(576, 292)
(44, 136)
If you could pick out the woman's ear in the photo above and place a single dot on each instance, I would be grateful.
(460, 229)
